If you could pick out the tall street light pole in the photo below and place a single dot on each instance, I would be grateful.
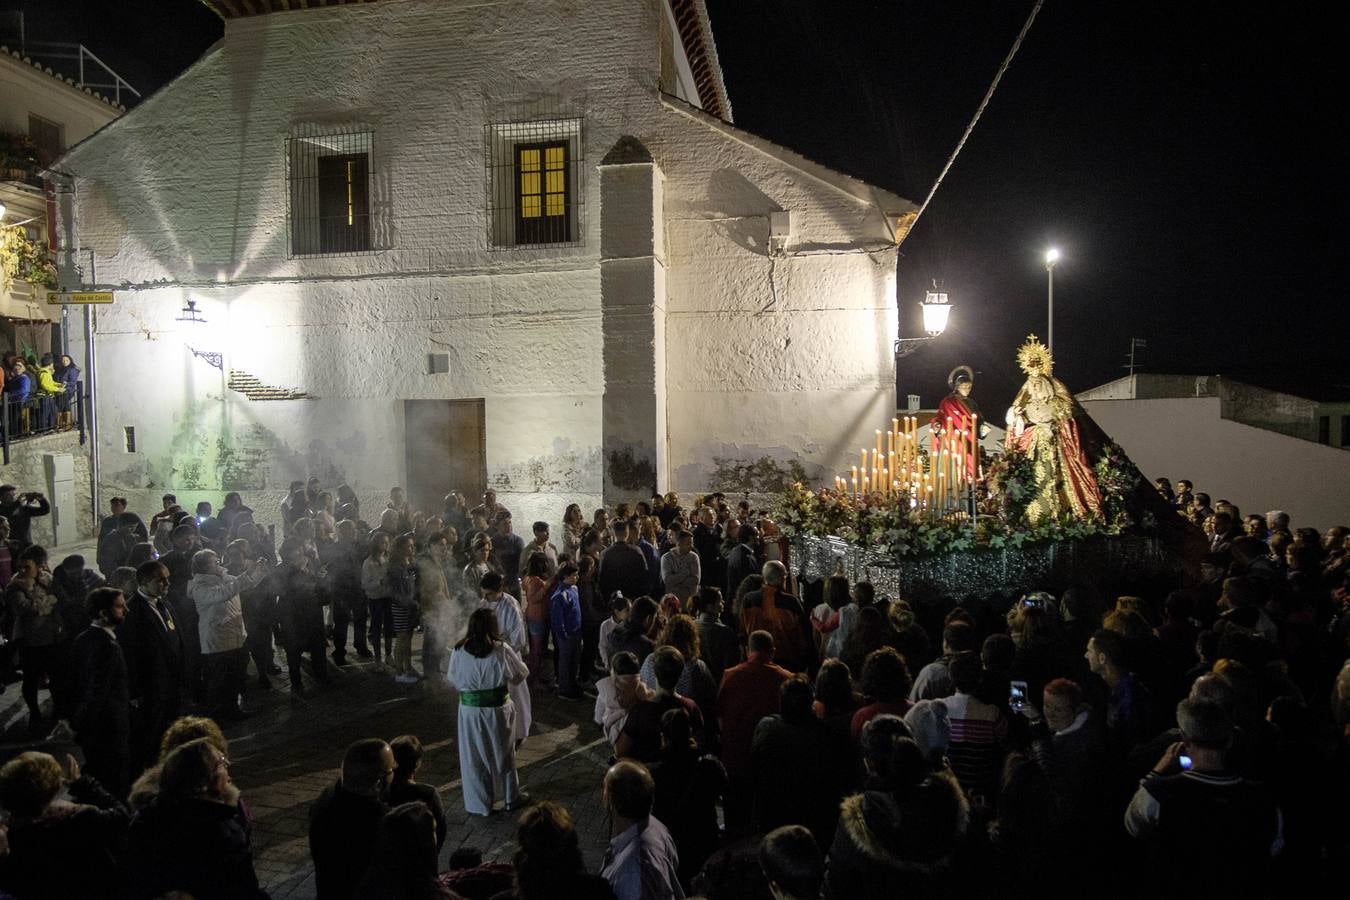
(1051, 257)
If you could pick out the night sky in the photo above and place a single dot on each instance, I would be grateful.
(1183, 156)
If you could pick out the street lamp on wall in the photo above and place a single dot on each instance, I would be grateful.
(936, 313)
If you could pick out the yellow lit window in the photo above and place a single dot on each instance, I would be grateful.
(542, 194)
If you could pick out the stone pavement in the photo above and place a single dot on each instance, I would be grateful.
(291, 750)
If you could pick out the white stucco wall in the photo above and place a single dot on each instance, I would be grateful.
(1256, 469)
(786, 357)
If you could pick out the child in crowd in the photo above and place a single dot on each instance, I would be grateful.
(619, 607)
(617, 694)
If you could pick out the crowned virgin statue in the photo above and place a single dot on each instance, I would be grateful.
(1042, 425)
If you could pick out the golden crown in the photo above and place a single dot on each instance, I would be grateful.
(1034, 358)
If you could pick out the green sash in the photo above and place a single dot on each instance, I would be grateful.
(490, 697)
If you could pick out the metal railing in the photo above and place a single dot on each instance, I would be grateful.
(40, 414)
(79, 62)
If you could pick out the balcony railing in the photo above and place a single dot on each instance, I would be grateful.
(40, 414)
(78, 62)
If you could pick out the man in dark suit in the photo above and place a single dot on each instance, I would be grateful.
(152, 645)
(102, 716)
(186, 542)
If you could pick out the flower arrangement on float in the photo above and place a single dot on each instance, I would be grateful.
(892, 524)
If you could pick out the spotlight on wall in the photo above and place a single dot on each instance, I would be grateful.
(190, 313)
(780, 230)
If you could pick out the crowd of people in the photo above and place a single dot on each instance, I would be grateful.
(769, 738)
(39, 393)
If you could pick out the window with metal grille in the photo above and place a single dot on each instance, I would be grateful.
(535, 194)
(46, 137)
(328, 180)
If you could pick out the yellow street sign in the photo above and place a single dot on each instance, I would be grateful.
(80, 298)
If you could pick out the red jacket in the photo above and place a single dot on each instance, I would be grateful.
(749, 692)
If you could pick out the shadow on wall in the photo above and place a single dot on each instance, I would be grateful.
(743, 209)
(761, 476)
(190, 252)
(628, 472)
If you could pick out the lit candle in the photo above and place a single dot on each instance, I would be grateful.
(975, 444)
(853, 479)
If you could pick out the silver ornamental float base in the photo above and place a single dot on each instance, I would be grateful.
(1101, 562)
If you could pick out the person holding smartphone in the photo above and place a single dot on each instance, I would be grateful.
(1210, 832)
(1068, 744)
(20, 510)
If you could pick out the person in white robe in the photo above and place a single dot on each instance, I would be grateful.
(484, 669)
(511, 626)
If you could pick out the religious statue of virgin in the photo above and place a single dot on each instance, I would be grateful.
(1041, 424)
(959, 412)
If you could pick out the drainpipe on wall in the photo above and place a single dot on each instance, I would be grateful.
(63, 238)
(90, 408)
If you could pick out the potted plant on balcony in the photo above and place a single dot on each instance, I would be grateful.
(18, 157)
(23, 258)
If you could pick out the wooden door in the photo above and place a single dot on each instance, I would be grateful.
(446, 451)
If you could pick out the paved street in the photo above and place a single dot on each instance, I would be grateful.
(284, 756)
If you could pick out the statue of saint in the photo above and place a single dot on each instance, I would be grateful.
(1041, 424)
(962, 412)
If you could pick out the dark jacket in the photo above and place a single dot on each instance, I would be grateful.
(343, 827)
(628, 637)
(708, 546)
(1226, 821)
(624, 568)
(401, 792)
(114, 548)
(70, 591)
(42, 850)
(689, 784)
(179, 564)
(154, 659)
(196, 846)
(342, 560)
(741, 562)
(300, 607)
(886, 847)
(802, 771)
(21, 513)
(102, 714)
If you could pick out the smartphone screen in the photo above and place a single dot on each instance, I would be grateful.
(1017, 695)
(1185, 761)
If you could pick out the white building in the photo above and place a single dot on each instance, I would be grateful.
(54, 111)
(453, 244)
(1260, 449)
